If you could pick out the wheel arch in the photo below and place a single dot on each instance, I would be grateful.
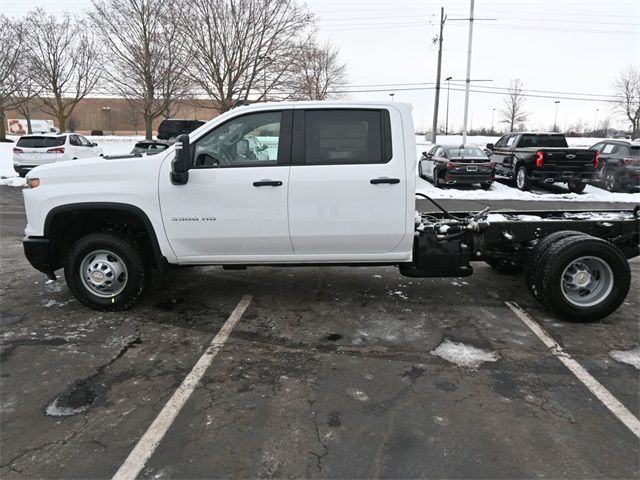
(66, 223)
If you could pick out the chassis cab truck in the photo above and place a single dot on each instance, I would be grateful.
(304, 183)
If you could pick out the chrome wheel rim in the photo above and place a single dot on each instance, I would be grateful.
(586, 281)
(103, 273)
(521, 177)
(610, 181)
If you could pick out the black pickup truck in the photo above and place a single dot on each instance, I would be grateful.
(545, 157)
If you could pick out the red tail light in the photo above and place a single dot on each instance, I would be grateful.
(539, 159)
(17, 150)
(56, 150)
(452, 165)
(596, 160)
(631, 161)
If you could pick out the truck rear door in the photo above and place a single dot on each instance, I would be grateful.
(348, 182)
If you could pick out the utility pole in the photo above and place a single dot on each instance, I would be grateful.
(555, 118)
(468, 79)
(446, 127)
(492, 114)
(434, 128)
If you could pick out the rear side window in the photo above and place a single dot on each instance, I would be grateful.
(634, 151)
(41, 142)
(336, 137)
(512, 140)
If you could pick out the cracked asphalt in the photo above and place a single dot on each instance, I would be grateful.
(329, 374)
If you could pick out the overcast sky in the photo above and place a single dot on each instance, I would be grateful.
(564, 46)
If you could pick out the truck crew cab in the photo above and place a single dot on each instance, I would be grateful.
(308, 183)
(544, 157)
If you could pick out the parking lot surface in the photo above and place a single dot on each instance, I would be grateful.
(329, 373)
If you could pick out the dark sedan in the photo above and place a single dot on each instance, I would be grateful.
(619, 168)
(453, 165)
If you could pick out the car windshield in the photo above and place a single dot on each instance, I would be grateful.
(468, 151)
(41, 142)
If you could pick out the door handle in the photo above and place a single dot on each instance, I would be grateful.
(377, 181)
(267, 183)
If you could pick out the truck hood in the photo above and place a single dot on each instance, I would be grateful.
(100, 169)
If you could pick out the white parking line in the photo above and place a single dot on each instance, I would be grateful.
(604, 395)
(154, 434)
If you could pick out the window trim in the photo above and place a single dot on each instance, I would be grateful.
(284, 141)
(299, 151)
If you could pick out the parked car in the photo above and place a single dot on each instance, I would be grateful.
(170, 128)
(619, 165)
(546, 157)
(463, 164)
(150, 147)
(39, 149)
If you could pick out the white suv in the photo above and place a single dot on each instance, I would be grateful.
(42, 148)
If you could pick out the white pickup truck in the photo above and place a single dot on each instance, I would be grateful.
(308, 183)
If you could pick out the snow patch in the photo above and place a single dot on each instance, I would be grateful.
(6, 160)
(357, 394)
(464, 355)
(630, 357)
(13, 181)
(55, 410)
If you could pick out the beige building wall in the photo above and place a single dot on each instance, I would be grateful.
(116, 115)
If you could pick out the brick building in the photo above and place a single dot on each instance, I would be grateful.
(116, 115)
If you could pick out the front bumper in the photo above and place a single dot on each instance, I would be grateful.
(38, 253)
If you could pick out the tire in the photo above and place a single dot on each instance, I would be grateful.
(610, 180)
(538, 256)
(576, 187)
(522, 178)
(486, 185)
(506, 266)
(584, 279)
(436, 179)
(119, 268)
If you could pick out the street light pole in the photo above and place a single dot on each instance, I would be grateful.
(555, 119)
(492, 114)
(595, 120)
(446, 127)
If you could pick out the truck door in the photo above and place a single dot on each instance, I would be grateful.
(348, 183)
(235, 202)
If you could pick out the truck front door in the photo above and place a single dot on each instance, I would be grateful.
(234, 205)
(348, 185)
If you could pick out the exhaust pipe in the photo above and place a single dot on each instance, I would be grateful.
(549, 180)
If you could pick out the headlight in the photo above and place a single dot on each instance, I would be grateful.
(33, 182)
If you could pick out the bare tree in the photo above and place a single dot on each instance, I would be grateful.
(318, 73)
(26, 95)
(64, 62)
(243, 48)
(627, 92)
(10, 78)
(513, 112)
(145, 54)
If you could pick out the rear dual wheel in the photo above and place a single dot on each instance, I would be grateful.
(580, 277)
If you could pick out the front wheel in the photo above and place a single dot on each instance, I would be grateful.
(437, 182)
(105, 271)
(522, 179)
(576, 187)
(584, 278)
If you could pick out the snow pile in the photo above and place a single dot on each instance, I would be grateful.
(464, 355)
(13, 181)
(499, 191)
(630, 357)
(6, 160)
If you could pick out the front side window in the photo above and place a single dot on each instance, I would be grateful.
(84, 142)
(247, 141)
(335, 137)
(73, 140)
(598, 147)
(502, 142)
(608, 148)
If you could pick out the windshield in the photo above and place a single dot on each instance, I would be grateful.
(468, 151)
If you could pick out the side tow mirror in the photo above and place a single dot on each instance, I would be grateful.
(490, 146)
(181, 164)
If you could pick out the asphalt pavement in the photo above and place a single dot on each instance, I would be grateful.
(329, 373)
